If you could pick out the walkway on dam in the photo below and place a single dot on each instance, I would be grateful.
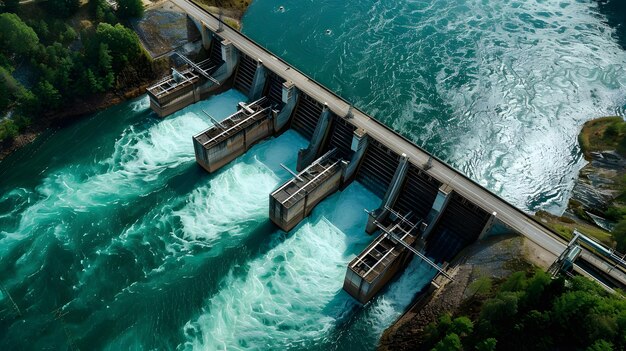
(472, 191)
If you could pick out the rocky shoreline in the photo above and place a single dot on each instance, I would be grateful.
(597, 186)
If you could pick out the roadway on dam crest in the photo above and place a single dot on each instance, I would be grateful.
(506, 213)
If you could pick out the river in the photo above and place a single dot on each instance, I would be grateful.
(112, 238)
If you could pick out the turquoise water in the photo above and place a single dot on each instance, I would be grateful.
(111, 237)
(499, 88)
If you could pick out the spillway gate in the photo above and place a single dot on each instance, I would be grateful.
(455, 210)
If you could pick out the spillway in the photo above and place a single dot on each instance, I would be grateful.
(381, 159)
(110, 219)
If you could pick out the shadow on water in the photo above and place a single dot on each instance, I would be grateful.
(615, 12)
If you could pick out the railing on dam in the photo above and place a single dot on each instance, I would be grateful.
(226, 140)
(294, 200)
(435, 190)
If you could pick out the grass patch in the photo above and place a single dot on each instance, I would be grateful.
(606, 133)
(564, 227)
(233, 7)
(232, 23)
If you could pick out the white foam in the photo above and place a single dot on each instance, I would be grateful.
(139, 158)
(168, 143)
(141, 104)
(219, 212)
(293, 294)
(221, 208)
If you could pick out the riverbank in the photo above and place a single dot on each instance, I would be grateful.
(234, 10)
(493, 259)
(71, 114)
(599, 194)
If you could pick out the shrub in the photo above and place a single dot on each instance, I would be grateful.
(8, 130)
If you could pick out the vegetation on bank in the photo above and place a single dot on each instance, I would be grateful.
(532, 311)
(565, 226)
(58, 52)
(238, 7)
(602, 134)
(232, 10)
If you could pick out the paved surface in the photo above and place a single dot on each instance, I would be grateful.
(507, 213)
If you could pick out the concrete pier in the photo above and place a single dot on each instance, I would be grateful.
(258, 82)
(289, 97)
(196, 82)
(358, 146)
(391, 195)
(230, 55)
(226, 140)
(174, 92)
(441, 201)
(207, 36)
(308, 155)
(370, 271)
(294, 200)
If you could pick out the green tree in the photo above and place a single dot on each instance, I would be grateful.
(487, 345)
(516, 282)
(619, 235)
(600, 345)
(105, 62)
(536, 286)
(4, 62)
(101, 11)
(445, 323)
(451, 342)
(9, 87)
(8, 130)
(621, 328)
(4, 94)
(130, 8)
(500, 309)
(5, 89)
(538, 313)
(122, 42)
(16, 36)
(28, 102)
(69, 35)
(93, 82)
(462, 326)
(49, 96)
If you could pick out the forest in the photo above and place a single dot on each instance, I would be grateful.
(533, 311)
(56, 53)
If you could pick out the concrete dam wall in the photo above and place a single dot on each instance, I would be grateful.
(424, 211)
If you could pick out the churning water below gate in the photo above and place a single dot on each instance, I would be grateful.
(111, 237)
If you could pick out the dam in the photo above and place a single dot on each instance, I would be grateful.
(446, 210)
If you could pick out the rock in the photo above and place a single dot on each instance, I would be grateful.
(598, 182)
